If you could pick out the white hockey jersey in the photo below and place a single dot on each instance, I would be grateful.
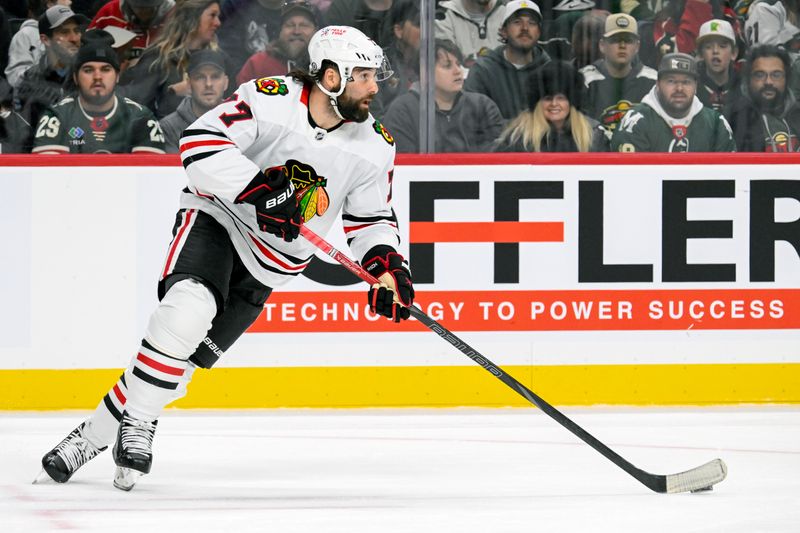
(265, 124)
(768, 23)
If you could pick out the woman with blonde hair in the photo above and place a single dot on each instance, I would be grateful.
(554, 122)
(159, 80)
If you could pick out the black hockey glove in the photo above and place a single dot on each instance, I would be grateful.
(395, 293)
(277, 211)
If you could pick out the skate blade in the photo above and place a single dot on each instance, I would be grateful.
(43, 478)
(126, 478)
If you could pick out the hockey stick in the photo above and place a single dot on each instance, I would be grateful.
(697, 479)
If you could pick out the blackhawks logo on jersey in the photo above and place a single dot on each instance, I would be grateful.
(272, 86)
(380, 130)
(311, 193)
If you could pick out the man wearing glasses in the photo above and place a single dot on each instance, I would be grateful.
(671, 117)
(767, 117)
(618, 81)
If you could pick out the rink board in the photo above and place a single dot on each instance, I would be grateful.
(596, 280)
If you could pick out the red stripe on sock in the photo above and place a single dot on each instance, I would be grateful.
(118, 394)
(159, 366)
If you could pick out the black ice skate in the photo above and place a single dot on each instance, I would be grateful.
(133, 451)
(65, 459)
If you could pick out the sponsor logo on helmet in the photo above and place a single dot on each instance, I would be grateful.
(380, 130)
(272, 86)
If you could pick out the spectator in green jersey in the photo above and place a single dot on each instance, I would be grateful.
(671, 118)
(96, 120)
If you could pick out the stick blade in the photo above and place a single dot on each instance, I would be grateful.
(697, 479)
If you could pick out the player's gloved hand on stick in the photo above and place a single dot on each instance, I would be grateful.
(395, 293)
(277, 210)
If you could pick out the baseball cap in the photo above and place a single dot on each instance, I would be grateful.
(206, 57)
(56, 16)
(620, 23)
(677, 64)
(121, 35)
(300, 8)
(716, 28)
(521, 5)
(96, 50)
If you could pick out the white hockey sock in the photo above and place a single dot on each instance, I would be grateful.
(176, 328)
(101, 427)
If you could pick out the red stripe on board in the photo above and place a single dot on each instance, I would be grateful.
(186, 222)
(265, 251)
(427, 232)
(118, 394)
(159, 366)
(195, 144)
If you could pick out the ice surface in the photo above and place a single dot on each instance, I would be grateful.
(382, 471)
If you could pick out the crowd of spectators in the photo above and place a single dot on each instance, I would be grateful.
(87, 76)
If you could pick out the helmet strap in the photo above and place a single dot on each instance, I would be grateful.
(333, 97)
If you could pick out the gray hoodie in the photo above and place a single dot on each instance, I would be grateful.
(173, 124)
(470, 36)
(25, 51)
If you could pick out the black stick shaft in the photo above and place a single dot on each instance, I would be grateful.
(654, 482)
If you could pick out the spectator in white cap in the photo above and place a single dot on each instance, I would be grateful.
(47, 81)
(474, 26)
(619, 80)
(671, 118)
(718, 80)
(503, 75)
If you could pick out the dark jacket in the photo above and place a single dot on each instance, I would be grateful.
(609, 98)
(405, 75)
(173, 124)
(472, 125)
(41, 86)
(560, 141)
(374, 24)
(718, 97)
(247, 28)
(497, 78)
(757, 131)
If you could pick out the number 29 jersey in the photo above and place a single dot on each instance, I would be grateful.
(266, 123)
(127, 128)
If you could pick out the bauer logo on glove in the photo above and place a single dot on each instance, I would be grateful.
(277, 210)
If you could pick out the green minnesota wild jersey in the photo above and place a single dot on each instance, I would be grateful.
(648, 128)
(67, 128)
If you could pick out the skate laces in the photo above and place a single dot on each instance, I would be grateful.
(136, 436)
(75, 449)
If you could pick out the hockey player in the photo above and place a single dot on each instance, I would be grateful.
(671, 118)
(280, 152)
